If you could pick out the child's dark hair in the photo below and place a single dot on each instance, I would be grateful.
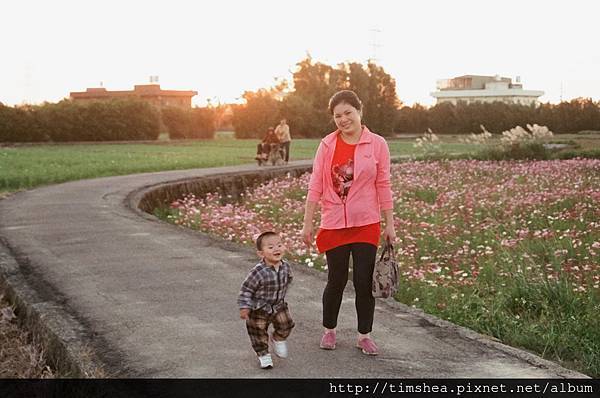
(263, 236)
(347, 96)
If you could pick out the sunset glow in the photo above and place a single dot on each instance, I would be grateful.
(221, 49)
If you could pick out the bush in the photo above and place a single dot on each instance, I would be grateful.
(585, 153)
(516, 151)
(20, 124)
(72, 121)
(101, 121)
(516, 143)
(189, 123)
(578, 115)
(589, 132)
(304, 119)
(139, 121)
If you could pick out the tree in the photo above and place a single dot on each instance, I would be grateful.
(189, 123)
(381, 104)
(414, 120)
(314, 84)
(261, 111)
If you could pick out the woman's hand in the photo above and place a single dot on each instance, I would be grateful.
(307, 235)
(307, 225)
(244, 313)
(389, 234)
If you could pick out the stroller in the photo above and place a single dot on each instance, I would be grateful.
(271, 153)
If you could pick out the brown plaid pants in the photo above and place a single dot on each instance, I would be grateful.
(258, 324)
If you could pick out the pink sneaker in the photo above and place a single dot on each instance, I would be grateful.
(368, 346)
(328, 341)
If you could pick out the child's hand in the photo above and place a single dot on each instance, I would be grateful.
(244, 313)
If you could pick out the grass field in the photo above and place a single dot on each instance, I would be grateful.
(24, 167)
(28, 166)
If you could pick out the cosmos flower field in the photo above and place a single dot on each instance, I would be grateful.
(510, 249)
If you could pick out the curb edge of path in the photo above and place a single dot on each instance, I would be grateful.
(59, 332)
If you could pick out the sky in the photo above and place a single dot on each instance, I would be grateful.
(222, 48)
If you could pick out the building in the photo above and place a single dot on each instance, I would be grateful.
(148, 92)
(473, 88)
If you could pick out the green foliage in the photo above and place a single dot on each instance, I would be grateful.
(28, 166)
(571, 117)
(517, 151)
(546, 317)
(305, 108)
(260, 112)
(589, 132)
(20, 124)
(462, 118)
(582, 153)
(413, 119)
(428, 196)
(72, 121)
(304, 118)
(381, 108)
(189, 123)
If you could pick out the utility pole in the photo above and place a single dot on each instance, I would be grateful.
(561, 91)
(374, 44)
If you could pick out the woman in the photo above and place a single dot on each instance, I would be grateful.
(351, 180)
(264, 146)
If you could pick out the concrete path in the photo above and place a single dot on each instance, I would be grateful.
(143, 298)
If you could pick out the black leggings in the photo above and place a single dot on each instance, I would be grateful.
(286, 148)
(363, 262)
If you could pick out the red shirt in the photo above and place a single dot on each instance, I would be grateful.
(342, 174)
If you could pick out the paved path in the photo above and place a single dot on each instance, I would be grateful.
(153, 300)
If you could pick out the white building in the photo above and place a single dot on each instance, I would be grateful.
(473, 88)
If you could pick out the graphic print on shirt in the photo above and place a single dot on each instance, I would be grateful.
(342, 175)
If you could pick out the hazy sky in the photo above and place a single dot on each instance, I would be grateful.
(222, 48)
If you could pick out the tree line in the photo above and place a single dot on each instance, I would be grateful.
(305, 107)
(114, 120)
(303, 102)
(566, 117)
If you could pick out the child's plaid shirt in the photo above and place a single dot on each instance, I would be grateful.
(265, 287)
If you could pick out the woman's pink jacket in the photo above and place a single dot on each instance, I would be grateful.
(371, 188)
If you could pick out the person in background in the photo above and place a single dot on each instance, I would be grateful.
(264, 147)
(283, 133)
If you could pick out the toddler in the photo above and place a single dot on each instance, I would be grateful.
(262, 299)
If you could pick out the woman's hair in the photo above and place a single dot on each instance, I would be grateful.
(347, 96)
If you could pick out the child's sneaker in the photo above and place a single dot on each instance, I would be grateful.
(328, 340)
(280, 348)
(266, 362)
